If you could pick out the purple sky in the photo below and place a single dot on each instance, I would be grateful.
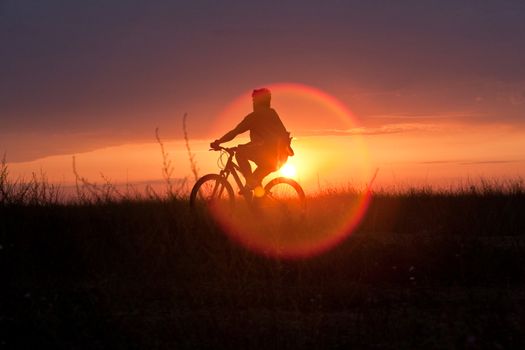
(78, 75)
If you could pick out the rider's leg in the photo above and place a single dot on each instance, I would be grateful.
(260, 173)
(265, 165)
(242, 157)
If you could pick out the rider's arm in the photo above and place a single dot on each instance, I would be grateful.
(230, 135)
(243, 126)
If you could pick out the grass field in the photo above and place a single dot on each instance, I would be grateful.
(423, 269)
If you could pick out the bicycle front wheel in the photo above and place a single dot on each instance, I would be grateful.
(284, 199)
(212, 190)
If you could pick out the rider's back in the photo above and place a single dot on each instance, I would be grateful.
(265, 126)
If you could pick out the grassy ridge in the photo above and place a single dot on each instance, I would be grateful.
(424, 269)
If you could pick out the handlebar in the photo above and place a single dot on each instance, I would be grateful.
(230, 150)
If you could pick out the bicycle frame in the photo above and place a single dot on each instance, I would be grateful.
(231, 168)
(273, 190)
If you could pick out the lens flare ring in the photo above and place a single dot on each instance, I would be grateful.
(328, 219)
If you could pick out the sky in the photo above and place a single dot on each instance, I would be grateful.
(432, 87)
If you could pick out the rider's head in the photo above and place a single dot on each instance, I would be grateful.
(261, 97)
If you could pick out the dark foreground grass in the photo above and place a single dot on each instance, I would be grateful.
(423, 270)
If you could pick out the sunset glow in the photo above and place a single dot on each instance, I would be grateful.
(354, 105)
(288, 170)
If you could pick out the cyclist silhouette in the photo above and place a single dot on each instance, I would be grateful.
(269, 145)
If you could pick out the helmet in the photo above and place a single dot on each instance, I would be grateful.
(261, 96)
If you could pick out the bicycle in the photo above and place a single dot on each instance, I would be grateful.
(282, 196)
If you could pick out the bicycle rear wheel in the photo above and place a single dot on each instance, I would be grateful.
(284, 200)
(212, 191)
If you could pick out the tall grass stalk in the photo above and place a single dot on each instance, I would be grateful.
(88, 192)
(173, 192)
(191, 155)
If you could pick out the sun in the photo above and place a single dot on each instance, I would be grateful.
(288, 170)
